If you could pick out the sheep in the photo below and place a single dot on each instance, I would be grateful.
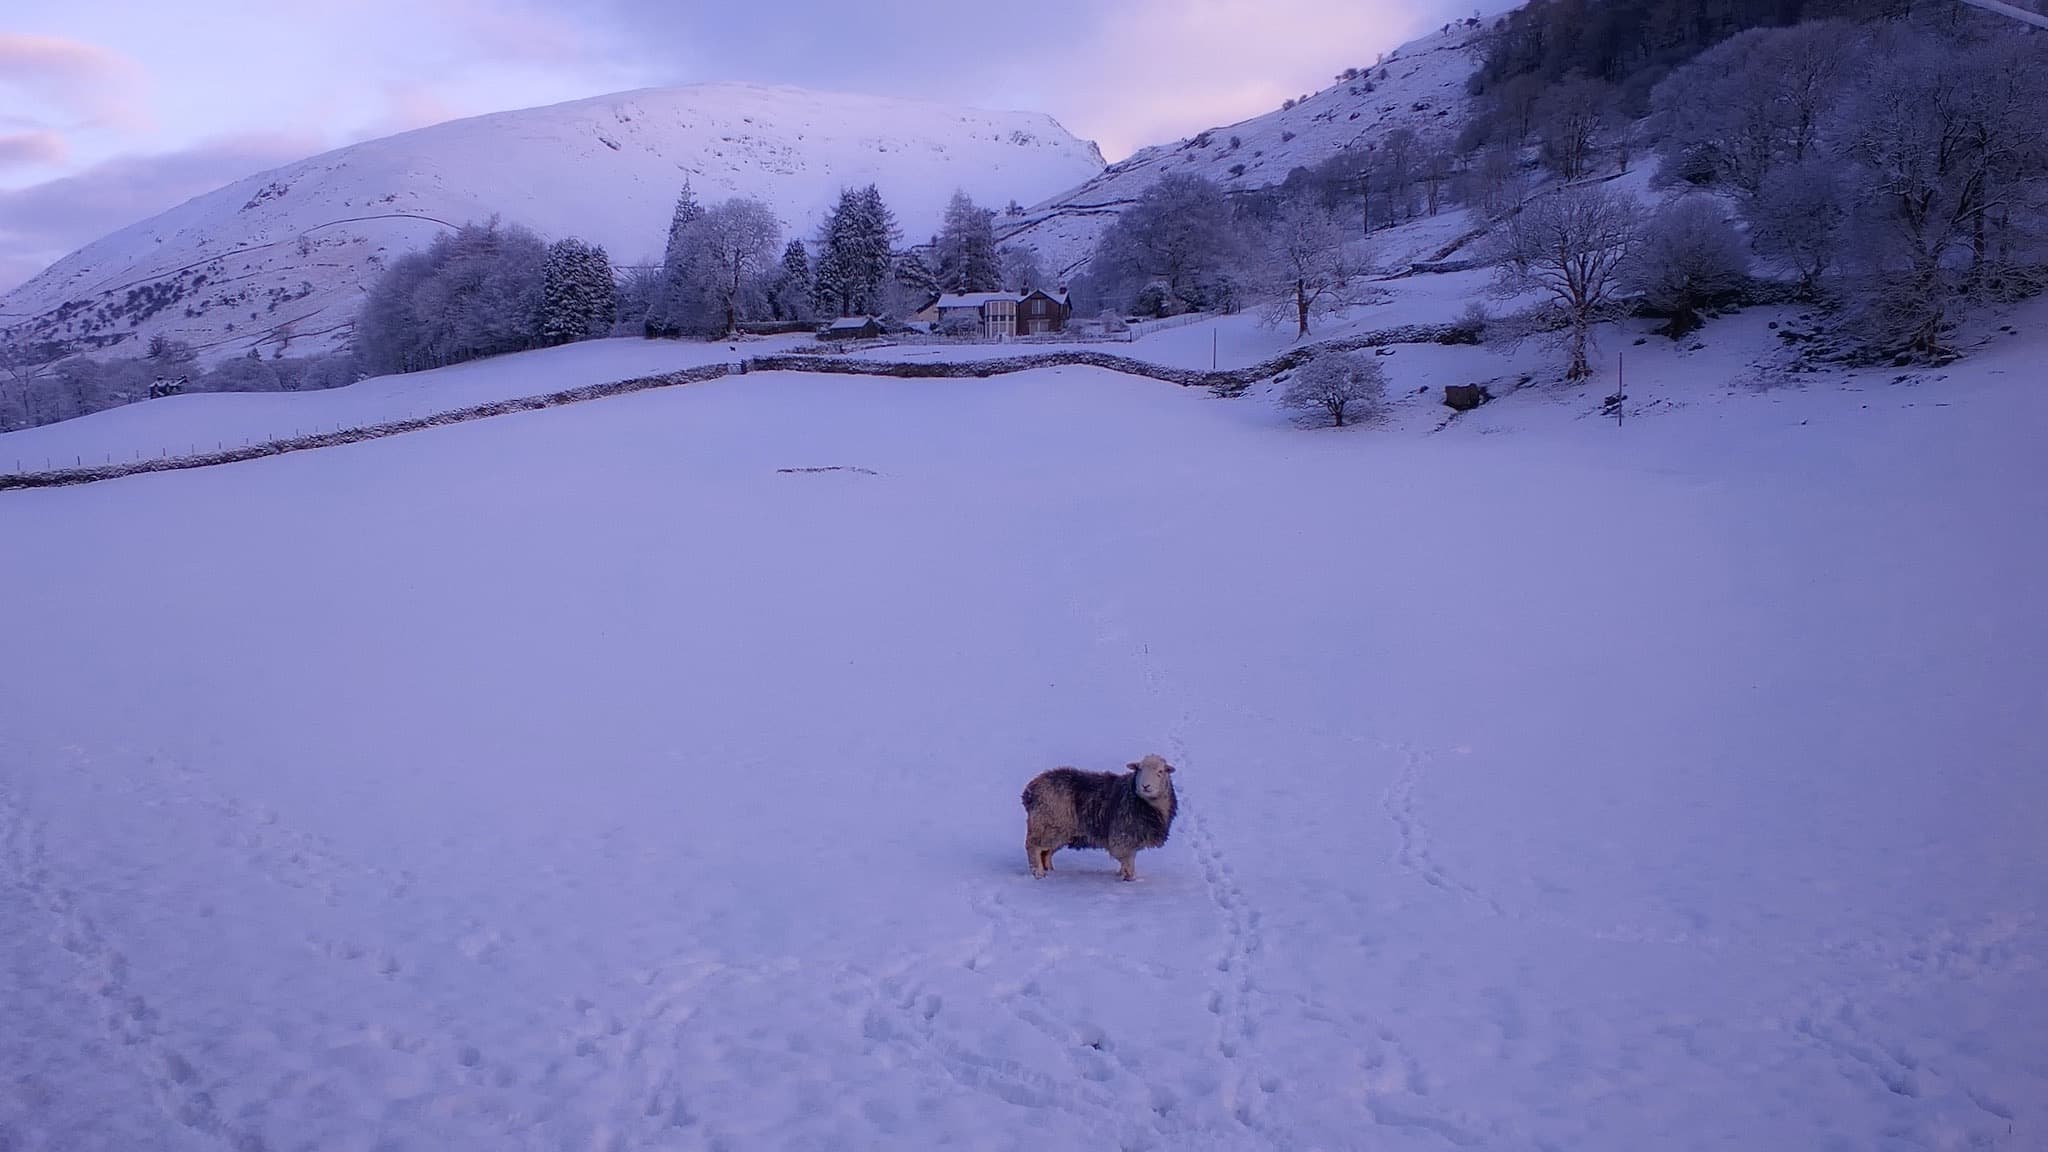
(1120, 812)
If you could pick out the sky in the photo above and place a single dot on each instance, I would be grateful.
(114, 110)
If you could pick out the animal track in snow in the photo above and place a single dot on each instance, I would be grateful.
(129, 1020)
(1412, 851)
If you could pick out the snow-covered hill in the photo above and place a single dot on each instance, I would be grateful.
(286, 254)
(1421, 86)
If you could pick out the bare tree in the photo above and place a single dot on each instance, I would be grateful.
(1799, 216)
(1434, 171)
(1951, 145)
(1303, 268)
(1689, 254)
(1569, 118)
(1021, 268)
(732, 245)
(1569, 248)
(1752, 102)
(1397, 158)
(18, 371)
(1337, 388)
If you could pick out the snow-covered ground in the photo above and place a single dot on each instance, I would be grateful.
(578, 779)
(1420, 86)
(198, 422)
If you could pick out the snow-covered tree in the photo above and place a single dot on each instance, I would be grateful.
(1688, 255)
(1756, 100)
(966, 248)
(1950, 142)
(1175, 249)
(1301, 265)
(1799, 216)
(791, 298)
(1433, 171)
(1569, 119)
(579, 298)
(1337, 388)
(1569, 248)
(639, 285)
(856, 251)
(732, 246)
(911, 284)
(674, 307)
(1021, 269)
(1396, 166)
(476, 292)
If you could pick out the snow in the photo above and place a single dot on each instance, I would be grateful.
(605, 169)
(577, 779)
(1423, 89)
(178, 425)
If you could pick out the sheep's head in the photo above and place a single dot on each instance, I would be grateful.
(1155, 777)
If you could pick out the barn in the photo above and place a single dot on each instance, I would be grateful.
(852, 328)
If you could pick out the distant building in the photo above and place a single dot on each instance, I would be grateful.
(852, 328)
(1000, 315)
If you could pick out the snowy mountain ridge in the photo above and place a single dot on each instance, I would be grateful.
(280, 260)
(1420, 86)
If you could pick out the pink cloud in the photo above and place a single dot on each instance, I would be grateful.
(32, 149)
(84, 85)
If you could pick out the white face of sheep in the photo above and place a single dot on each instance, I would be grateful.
(1154, 777)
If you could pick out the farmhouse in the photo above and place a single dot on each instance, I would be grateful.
(1000, 315)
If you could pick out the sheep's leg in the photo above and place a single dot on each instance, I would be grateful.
(1126, 868)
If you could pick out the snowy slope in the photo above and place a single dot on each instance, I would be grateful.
(1420, 86)
(578, 779)
(296, 246)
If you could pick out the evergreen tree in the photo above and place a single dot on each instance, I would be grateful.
(579, 299)
(792, 297)
(858, 242)
(967, 248)
(673, 304)
(911, 285)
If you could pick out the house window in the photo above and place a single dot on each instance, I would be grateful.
(1001, 318)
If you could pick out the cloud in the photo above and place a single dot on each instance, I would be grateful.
(42, 223)
(32, 150)
(76, 85)
(1126, 74)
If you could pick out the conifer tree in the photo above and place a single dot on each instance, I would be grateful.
(967, 248)
(673, 304)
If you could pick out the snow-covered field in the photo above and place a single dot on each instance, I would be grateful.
(197, 422)
(577, 779)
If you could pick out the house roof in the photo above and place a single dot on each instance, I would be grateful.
(849, 323)
(974, 299)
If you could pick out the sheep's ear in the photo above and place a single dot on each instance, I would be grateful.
(1133, 766)
(1169, 769)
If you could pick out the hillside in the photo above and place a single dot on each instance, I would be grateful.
(1420, 86)
(284, 256)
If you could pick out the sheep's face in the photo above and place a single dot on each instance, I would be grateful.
(1155, 777)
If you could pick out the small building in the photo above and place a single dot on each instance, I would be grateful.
(852, 328)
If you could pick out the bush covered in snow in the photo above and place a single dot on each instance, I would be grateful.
(1336, 388)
